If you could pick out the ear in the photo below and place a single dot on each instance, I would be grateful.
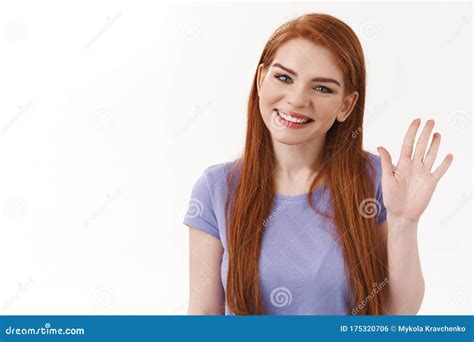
(347, 106)
(261, 72)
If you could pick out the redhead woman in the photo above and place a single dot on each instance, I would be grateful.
(305, 221)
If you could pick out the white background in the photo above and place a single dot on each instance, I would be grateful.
(111, 110)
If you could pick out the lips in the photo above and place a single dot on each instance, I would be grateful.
(294, 114)
(284, 120)
(293, 117)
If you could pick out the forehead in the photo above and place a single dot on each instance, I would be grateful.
(308, 59)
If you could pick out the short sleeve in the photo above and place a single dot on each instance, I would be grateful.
(382, 211)
(200, 213)
(377, 176)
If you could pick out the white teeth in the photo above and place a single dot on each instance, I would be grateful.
(291, 118)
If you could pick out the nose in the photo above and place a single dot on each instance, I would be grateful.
(297, 97)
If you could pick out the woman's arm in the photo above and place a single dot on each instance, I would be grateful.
(406, 285)
(206, 294)
(407, 190)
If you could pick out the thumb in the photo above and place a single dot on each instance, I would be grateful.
(386, 161)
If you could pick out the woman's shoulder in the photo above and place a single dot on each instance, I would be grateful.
(218, 172)
(375, 161)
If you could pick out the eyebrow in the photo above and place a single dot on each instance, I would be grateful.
(316, 79)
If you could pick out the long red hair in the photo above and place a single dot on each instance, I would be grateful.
(250, 197)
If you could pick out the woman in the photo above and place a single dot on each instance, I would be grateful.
(298, 224)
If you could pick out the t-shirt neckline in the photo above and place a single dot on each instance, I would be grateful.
(300, 197)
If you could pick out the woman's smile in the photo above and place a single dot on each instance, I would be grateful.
(291, 121)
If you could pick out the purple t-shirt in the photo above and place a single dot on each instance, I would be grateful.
(301, 264)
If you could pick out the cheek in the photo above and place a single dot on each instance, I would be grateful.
(269, 93)
(326, 108)
(269, 97)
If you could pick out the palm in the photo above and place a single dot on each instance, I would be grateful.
(408, 190)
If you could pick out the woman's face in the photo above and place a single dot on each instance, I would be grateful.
(301, 93)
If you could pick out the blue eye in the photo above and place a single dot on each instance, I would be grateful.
(327, 90)
(279, 77)
(286, 79)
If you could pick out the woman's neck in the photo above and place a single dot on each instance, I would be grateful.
(296, 166)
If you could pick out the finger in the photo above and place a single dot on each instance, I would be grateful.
(386, 161)
(407, 147)
(433, 151)
(420, 148)
(443, 167)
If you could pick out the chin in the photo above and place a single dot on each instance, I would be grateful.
(288, 139)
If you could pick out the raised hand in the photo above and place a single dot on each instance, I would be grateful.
(408, 189)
